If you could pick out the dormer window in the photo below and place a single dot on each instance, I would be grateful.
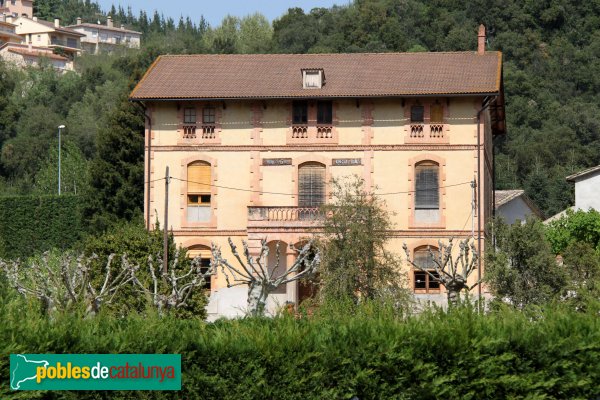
(313, 78)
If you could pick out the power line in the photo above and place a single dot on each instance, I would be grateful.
(295, 194)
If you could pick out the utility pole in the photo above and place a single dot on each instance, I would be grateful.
(60, 128)
(166, 224)
(473, 185)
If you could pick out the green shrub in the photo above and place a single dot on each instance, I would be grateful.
(371, 355)
(138, 244)
(34, 224)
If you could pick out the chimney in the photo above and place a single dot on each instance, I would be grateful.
(109, 22)
(35, 19)
(79, 21)
(122, 27)
(9, 19)
(481, 40)
(56, 23)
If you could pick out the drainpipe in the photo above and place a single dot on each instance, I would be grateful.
(144, 109)
(485, 104)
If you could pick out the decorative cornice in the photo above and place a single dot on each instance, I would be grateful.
(295, 148)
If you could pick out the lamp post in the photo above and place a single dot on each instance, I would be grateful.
(60, 128)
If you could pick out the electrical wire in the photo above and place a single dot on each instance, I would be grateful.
(294, 194)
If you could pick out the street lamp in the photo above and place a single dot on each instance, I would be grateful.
(60, 128)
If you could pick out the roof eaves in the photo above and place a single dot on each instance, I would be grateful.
(131, 96)
(308, 96)
(575, 177)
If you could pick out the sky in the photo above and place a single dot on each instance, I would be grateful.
(214, 11)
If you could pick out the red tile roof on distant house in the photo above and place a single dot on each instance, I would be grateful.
(252, 76)
(12, 47)
(103, 28)
(60, 29)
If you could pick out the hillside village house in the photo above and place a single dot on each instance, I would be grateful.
(17, 8)
(49, 35)
(14, 51)
(107, 37)
(252, 142)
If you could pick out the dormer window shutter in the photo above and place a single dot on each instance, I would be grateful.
(312, 78)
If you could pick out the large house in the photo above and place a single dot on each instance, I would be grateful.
(14, 51)
(17, 8)
(252, 142)
(107, 37)
(49, 35)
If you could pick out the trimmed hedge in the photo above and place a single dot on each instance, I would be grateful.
(460, 355)
(33, 224)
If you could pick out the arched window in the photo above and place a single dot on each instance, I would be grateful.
(205, 256)
(427, 192)
(198, 192)
(423, 282)
(311, 185)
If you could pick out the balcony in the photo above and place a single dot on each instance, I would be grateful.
(198, 134)
(312, 135)
(427, 133)
(68, 44)
(284, 216)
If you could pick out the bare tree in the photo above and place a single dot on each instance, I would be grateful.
(451, 272)
(255, 272)
(66, 281)
(180, 287)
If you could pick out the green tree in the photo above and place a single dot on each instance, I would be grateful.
(575, 227)
(133, 240)
(74, 171)
(117, 171)
(356, 264)
(521, 269)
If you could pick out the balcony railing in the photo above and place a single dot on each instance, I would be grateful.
(324, 131)
(189, 131)
(208, 131)
(417, 130)
(426, 131)
(64, 43)
(436, 131)
(285, 214)
(300, 132)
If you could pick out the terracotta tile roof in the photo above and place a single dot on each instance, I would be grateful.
(24, 51)
(579, 175)
(211, 76)
(103, 28)
(61, 29)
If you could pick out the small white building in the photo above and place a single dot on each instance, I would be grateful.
(513, 205)
(107, 37)
(587, 188)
